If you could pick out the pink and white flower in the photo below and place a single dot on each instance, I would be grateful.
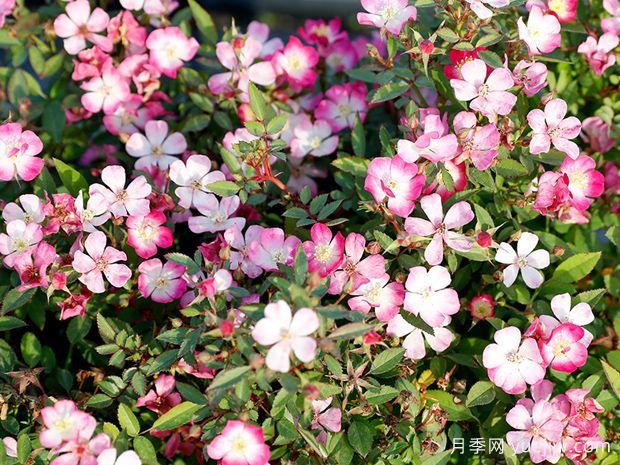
(62, 422)
(583, 181)
(325, 418)
(378, 293)
(163, 283)
(429, 297)
(32, 266)
(10, 444)
(271, 249)
(611, 25)
(79, 24)
(100, 260)
(95, 213)
(564, 351)
(286, 333)
(532, 75)
(297, 62)
(130, 117)
(146, 233)
(596, 132)
(29, 210)
(221, 281)
(122, 201)
(169, 49)
(511, 363)
(478, 7)
(397, 180)
(480, 144)
(482, 307)
(163, 397)
(155, 147)
(239, 443)
(550, 127)
(525, 260)
(599, 53)
(439, 227)
(325, 251)
(434, 144)
(215, 215)
(109, 457)
(313, 139)
(18, 150)
(342, 104)
(19, 238)
(414, 338)
(542, 32)
(193, 178)
(106, 92)
(84, 448)
(580, 315)
(390, 15)
(239, 256)
(488, 95)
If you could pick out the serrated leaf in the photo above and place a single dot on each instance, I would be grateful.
(352, 165)
(382, 395)
(360, 436)
(389, 92)
(418, 322)
(128, 420)
(576, 267)
(351, 330)
(14, 299)
(590, 297)
(613, 376)
(386, 360)
(107, 331)
(145, 450)
(224, 188)
(8, 323)
(71, 178)
(228, 378)
(205, 24)
(179, 415)
(277, 123)
(257, 101)
(510, 168)
(481, 393)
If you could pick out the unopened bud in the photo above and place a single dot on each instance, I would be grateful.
(427, 47)
(484, 239)
(558, 251)
(374, 247)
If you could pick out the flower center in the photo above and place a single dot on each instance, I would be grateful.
(514, 357)
(101, 264)
(344, 109)
(554, 132)
(374, 294)
(278, 256)
(315, 142)
(323, 253)
(161, 283)
(20, 244)
(522, 262)
(578, 180)
(239, 446)
(483, 90)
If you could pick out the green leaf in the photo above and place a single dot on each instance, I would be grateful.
(277, 123)
(31, 349)
(300, 266)
(179, 415)
(456, 412)
(576, 267)
(163, 362)
(590, 297)
(257, 101)
(382, 395)
(184, 260)
(386, 360)
(54, 120)
(613, 376)
(107, 331)
(145, 450)
(448, 35)
(490, 58)
(358, 137)
(99, 401)
(484, 178)
(128, 420)
(10, 322)
(224, 188)
(510, 168)
(228, 378)
(389, 92)
(481, 393)
(14, 299)
(205, 24)
(418, 322)
(360, 436)
(71, 178)
(352, 165)
(438, 459)
(351, 330)
(24, 447)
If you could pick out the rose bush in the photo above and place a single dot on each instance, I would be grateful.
(394, 243)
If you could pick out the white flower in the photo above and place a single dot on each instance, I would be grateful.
(525, 259)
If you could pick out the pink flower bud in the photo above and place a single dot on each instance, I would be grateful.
(59, 281)
(372, 337)
(227, 327)
(484, 239)
(427, 47)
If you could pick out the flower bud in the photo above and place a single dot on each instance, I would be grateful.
(427, 47)
(374, 247)
(227, 327)
(372, 337)
(558, 251)
(484, 239)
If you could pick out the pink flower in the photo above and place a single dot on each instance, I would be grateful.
(146, 233)
(353, 271)
(109, 457)
(80, 25)
(106, 92)
(62, 422)
(551, 193)
(101, 260)
(162, 283)
(95, 213)
(389, 14)
(313, 139)
(550, 126)
(488, 95)
(19, 239)
(611, 25)
(482, 11)
(565, 10)
(18, 150)
(6, 8)
(583, 410)
(599, 54)
(83, 449)
(272, 249)
(340, 56)
(458, 173)
(74, 305)
(322, 33)
(511, 363)
(156, 147)
(434, 145)
(531, 75)
(297, 62)
(526, 260)
(414, 338)
(397, 180)
(580, 315)
(428, 296)
(32, 266)
(325, 418)
(163, 398)
(482, 307)
(239, 444)
(169, 48)
(129, 117)
(285, 334)
(538, 430)
(596, 132)
(325, 252)
(238, 57)
(583, 181)
(125, 29)
(480, 144)
(29, 210)
(216, 216)
(216, 284)
(123, 201)
(564, 351)
(342, 104)
(10, 444)
(439, 227)
(378, 294)
(542, 33)
(239, 256)
(61, 213)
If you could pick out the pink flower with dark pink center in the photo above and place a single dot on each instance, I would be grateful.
(542, 32)
(429, 297)
(297, 62)
(550, 127)
(74, 305)
(239, 443)
(32, 266)
(239, 258)
(325, 251)
(163, 283)
(18, 150)
(79, 24)
(564, 351)
(511, 363)
(340, 56)
(19, 239)
(379, 294)
(163, 397)
(322, 33)
(583, 410)
(272, 249)
(342, 104)
(600, 53)
(439, 227)
(146, 233)
(531, 75)
(100, 261)
(169, 49)
(353, 271)
(124, 28)
(413, 343)
(596, 132)
(396, 180)
(390, 15)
